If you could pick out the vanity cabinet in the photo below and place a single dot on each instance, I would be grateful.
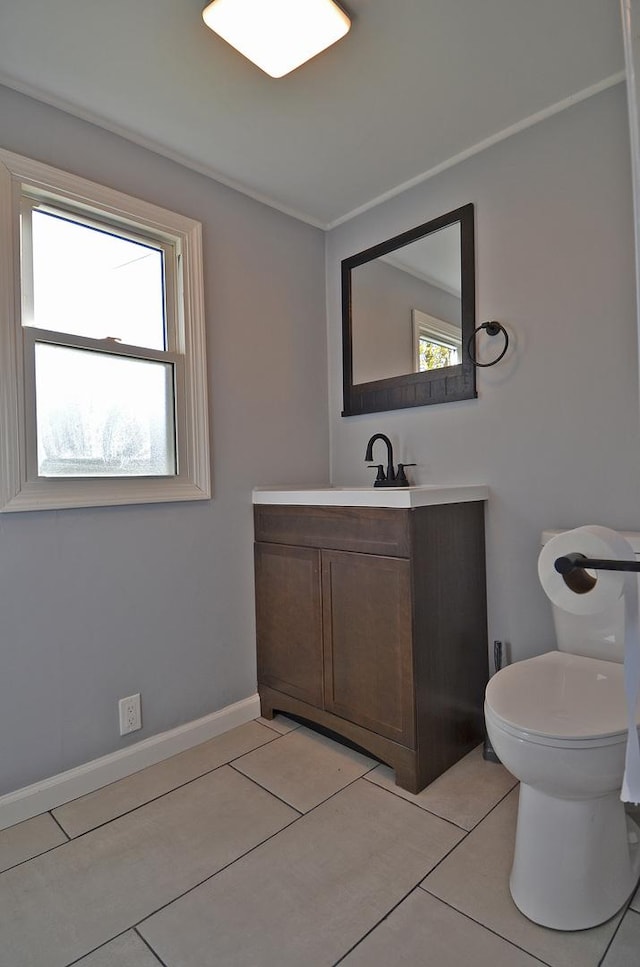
(371, 622)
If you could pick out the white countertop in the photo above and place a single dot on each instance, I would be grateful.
(423, 496)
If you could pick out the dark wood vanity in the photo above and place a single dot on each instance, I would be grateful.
(371, 622)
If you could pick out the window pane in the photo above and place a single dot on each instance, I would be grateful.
(436, 355)
(89, 282)
(102, 415)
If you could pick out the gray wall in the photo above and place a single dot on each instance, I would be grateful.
(554, 431)
(99, 604)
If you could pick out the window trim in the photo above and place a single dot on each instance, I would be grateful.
(186, 345)
(435, 330)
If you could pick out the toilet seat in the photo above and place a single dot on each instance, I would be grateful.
(561, 700)
(618, 738)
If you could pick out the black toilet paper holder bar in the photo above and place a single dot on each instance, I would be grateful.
(578, 562)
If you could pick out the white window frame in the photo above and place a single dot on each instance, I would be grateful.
(435, 330)
(21, 489)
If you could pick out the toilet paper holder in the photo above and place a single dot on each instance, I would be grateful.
(578, 562)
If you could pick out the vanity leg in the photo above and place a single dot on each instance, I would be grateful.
(409, 773)
(266, 707)
(408, 779)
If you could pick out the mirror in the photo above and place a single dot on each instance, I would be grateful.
(408, 312)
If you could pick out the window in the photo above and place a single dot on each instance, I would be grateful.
(436, 343)
(102, 346)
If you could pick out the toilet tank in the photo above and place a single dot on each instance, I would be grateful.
(595, 635)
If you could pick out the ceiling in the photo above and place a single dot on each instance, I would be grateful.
(414, 85)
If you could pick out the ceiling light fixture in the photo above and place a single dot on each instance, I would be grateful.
(277, 35)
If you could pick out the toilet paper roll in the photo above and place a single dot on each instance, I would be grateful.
(592, 593)
(592, 541)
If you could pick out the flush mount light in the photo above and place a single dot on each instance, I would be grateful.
(277, 35)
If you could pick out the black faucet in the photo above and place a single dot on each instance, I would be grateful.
(391, 478)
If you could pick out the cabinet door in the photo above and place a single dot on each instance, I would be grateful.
(368, 643)
(289, 620)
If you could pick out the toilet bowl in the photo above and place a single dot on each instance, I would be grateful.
(558, 723)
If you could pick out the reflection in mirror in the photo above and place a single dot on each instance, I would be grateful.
(405, 309)
(408, 313)
(436, 343)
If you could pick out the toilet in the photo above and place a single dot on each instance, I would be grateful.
(558, 723)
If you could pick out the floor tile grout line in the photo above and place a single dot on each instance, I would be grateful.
(469, 831)
(455, 909)
(181, 896)
(160, 762)
(479, 923)
(322, 801)
(272, 836)
(443, 818)
(422, 877)
(128, 812)
(117, 936)
(377, 924)
(287, 826)
(341, 742)
(495, 805)
(422, 809)
(608, 947)
(249, 851)
(266, 722)
(264, 789)
(277, 735)
(149, 947)
(396, 796)
(60, 827)
(148, 802)
(230, 762)
(437, 815)
(35, 856)
(426, 890)
(627, 910)
(50, 849)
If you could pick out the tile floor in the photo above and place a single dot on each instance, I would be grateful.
(272, 846)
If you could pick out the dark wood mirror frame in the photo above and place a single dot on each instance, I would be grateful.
(414, 389)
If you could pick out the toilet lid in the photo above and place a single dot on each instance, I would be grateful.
(559, 695)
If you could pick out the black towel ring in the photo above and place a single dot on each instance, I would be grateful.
(492, 329)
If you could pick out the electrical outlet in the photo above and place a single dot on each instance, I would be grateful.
(130, 715)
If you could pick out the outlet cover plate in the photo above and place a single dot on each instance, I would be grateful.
(129, 714)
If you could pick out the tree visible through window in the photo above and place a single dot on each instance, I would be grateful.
(436, 343)
(434, 355)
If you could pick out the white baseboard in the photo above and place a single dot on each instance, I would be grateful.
(56, 790)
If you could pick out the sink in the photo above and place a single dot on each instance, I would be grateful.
(422, 496)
